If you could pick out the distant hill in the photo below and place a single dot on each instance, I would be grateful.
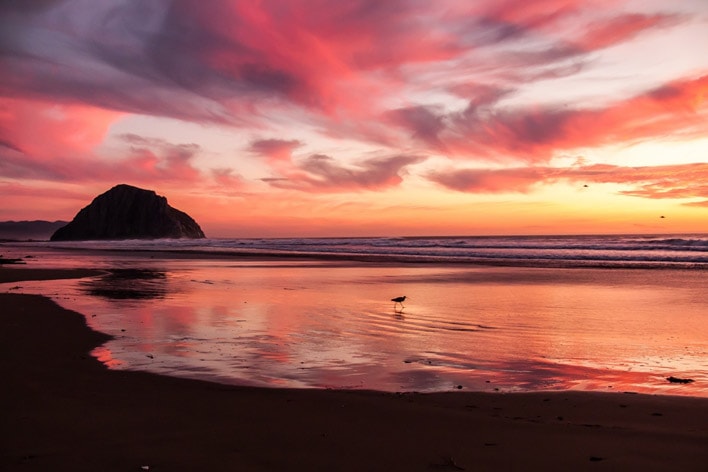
(127, 212)
(24, 230)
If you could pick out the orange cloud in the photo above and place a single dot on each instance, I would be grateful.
(535, 134)
(58, 142)
(519, 180)
(678, 181)
(227, 179)
(608, 32)
(52, 129)
(45, 141)
(389, 74)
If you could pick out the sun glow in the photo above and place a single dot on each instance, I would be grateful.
(421, 119)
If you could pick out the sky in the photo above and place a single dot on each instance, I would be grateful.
(292, 118)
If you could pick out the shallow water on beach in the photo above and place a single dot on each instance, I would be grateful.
(330, 324)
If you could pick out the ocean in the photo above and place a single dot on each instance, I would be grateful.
(687, 251)
(600, 313)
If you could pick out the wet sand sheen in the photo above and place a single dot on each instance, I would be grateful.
(331, 325)
(65, 411)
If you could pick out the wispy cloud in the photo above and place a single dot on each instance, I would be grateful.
(534, 134)
(481, 83)
(607, 32)
(686, 181)
(226, 62)
(321, 173)
(240, 63)
(275, 150)
(45, 140)
(57, 143)
(157, 158)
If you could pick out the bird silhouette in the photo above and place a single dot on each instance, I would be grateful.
(398, 300)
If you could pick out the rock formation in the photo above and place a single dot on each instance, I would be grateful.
(126, 212)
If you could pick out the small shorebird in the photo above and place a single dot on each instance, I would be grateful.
(398, 300)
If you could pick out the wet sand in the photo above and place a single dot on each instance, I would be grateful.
(63, 410)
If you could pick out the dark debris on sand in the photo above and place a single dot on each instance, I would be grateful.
(4, 260)
(678, 380)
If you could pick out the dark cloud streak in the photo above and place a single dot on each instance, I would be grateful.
(221, 61)
(534, 134)
(334, 65)
(275, 150)
(318, 173)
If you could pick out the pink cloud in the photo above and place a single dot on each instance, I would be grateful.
(534, 134)
(275, 151)
(70, 72)
(426, 123)
(23, 201)
(228, 62)
(158, 159)
(52, 129)
(320, 173)
(58, 142)
(610, 31)
(217, 61)
(43, 140)
(519, 180)
(539, 14)
(227, 179)
(589, 27)
(685, 181)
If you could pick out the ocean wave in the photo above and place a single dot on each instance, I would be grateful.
(685, 251)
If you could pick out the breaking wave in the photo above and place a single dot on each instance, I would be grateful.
(650, 251)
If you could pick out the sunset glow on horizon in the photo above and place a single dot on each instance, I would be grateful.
(282, 118)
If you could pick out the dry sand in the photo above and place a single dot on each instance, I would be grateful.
(63, 410)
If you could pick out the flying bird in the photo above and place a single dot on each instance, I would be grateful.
(398, 300)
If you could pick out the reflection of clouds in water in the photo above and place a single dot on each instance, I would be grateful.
(246, 325)
(104, 354)
(122, 284)
(420, 379)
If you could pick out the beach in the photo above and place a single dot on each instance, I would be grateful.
(314, 322)
(64, 410)
(353, 236)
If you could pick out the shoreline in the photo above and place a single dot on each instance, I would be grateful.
(370, 258)
(66, 411)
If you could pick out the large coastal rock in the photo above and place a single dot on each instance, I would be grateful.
(126, 212)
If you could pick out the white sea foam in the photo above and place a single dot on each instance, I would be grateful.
(648, 251)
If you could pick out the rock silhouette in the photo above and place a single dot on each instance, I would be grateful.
(127, 212)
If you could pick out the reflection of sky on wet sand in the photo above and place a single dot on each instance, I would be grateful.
(332, 325)
(118, 284)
